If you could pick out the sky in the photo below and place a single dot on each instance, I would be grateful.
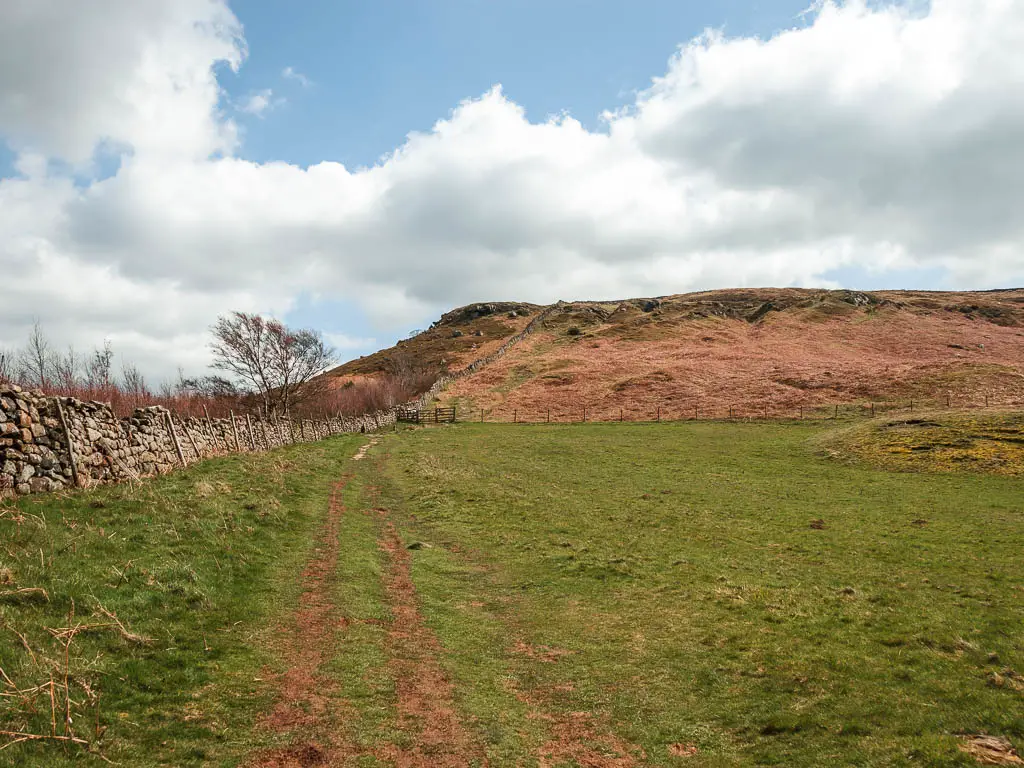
(360, 168)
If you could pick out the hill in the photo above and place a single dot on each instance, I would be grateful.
(744, 348)
(455, 340)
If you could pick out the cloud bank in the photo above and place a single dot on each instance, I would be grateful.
(884, 138)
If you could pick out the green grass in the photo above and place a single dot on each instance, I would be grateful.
(679, 566)
(711, 585)
(203, 562)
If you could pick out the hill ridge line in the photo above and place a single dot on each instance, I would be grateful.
(444, 381)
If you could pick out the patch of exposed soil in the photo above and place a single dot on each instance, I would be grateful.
(682, 750)
(540, 652)
(304, 699)
(576, 737)
(303, 756)
(361, 453)
(426, 706)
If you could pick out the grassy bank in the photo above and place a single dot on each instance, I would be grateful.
(146, 609)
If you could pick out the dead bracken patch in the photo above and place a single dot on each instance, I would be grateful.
(815, 348)
(990, 750)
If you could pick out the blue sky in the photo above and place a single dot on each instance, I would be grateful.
(382, 69)
(378, 70)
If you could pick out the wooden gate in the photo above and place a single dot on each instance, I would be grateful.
(427, 416)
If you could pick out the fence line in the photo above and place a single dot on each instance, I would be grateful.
(741, 412)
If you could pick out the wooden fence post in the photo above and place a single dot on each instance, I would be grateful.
(549, 415)
(209, 424)
(695, 413)
(174, 437)
(515, 416)
(71, 444)
(658, 415)
(192, 441)
(252, 434)
(837, 411)
(620, 414)
(234, 431)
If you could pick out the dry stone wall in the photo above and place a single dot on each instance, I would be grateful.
(52, 443)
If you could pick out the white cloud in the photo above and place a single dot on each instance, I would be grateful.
(260, 102)
(343, 342)
(290, 73)
(883, 138)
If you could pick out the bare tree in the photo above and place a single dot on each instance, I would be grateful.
(298, 357)
(67, 369)
(210, 387)
(7, 368)
(133, 384)
(268, 358)
(165, 390)
(35, 363)
(99, 373)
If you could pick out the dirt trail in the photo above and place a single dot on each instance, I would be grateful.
(425, 695)
(434, 735)
(361, 453)
(305, 706)
(303, 692)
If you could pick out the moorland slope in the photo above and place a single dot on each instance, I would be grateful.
(783, 348)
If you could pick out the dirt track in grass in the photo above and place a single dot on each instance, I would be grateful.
(304, 706)
(306, 709)
(425, 694)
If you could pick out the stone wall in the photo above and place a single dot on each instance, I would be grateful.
(51, 443)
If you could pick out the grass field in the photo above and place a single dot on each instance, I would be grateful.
(199, 564)
(706, 594)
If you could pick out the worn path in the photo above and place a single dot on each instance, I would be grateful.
(426, 728)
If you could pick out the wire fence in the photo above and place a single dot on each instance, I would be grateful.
(763, 411)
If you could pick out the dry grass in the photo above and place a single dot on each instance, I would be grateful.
(936, 442)
(704, 353)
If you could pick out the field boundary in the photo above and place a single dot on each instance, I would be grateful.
(50, 443)
(606, 414)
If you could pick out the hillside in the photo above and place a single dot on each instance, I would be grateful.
(454, 341)
(746, 349)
